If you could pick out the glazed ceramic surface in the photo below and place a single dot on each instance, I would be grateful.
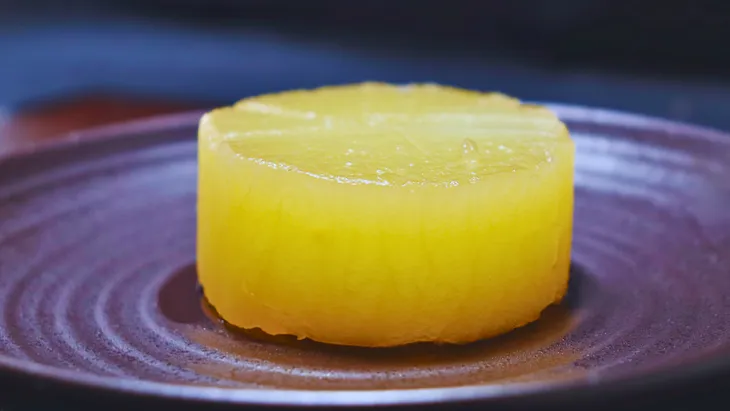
(98, 285)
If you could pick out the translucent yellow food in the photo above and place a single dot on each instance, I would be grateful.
(380, 215)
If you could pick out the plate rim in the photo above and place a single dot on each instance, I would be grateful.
(574, 390)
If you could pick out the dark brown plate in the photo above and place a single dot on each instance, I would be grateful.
(98, 293)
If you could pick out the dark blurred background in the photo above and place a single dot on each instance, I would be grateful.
(664, 58)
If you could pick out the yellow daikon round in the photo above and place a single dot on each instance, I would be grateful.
(381, 215)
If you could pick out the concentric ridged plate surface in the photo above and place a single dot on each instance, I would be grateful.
(98, 287)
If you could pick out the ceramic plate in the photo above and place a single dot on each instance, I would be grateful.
(98, 293)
